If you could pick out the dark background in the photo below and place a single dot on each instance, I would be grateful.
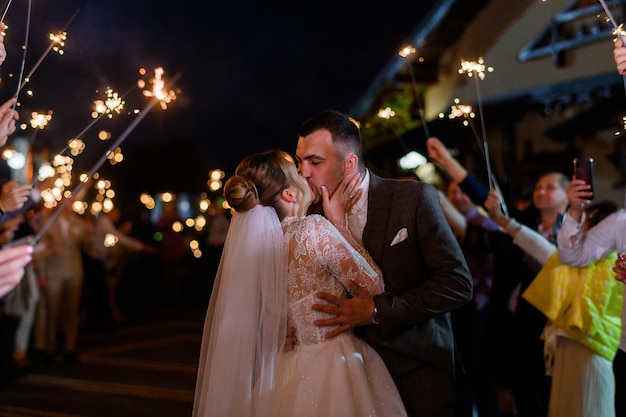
(251, 73)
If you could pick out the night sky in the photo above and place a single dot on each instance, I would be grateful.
(251, 72)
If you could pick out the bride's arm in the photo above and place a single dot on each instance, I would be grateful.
(348, 260)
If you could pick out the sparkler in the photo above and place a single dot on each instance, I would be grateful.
(158, 90)
(40, 120)
(477, 70)
(387, 113)
(25, 47)
(466, 111)
(158, 96)
(618, 30)
(57, 41)
(6, 9)
(406, 52)
(113, 103)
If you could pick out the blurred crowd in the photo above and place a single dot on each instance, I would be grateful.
(85, 271)
(541, 337)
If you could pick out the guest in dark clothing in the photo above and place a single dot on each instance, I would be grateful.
(514, 273)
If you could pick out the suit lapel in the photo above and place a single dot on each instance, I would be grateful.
(378, 206)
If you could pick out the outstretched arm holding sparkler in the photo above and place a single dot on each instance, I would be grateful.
(475, 190)
(8, 116)
(619, 54)
(12, 263)
(3, 50)
(438, 152)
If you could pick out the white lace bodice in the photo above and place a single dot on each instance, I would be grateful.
(321, 259)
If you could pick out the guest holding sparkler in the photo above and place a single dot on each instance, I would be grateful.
(12, 263)
(13, 307)
(8, 115)
(583, 308)
(619, 54)
(580, 248)
(514, 271)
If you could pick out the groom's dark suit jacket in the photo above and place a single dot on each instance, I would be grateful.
(425, 276)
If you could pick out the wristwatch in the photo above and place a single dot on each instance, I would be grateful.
(374, 316)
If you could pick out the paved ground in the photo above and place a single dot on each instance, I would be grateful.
(144, 368)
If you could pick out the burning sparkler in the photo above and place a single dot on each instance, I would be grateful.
(113, 103)
(158, 90)
(6, 9)
(157, 98)
(477, 70)
(467, 113)
(39, 120)
(405, 53)
(57, 42)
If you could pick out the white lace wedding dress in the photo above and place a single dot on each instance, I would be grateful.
(324, 377)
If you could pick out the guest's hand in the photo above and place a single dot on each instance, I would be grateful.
(8, 116)
(494, 208)
(619, 54)
(348, 312)
(578, 195)
(438, 152)
(13, 196)
(3, 51)
(12, 263)
(620, 268)
(345, 196)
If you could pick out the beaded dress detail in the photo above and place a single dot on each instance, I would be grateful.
(342, 376)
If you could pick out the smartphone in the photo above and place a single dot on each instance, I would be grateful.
(583, 170)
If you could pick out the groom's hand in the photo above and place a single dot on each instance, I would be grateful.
(348, 312)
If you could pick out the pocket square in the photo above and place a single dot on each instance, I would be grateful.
(400, 236)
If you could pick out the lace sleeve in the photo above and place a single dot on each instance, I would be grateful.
(347, 260)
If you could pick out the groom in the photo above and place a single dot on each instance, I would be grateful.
(402, 226)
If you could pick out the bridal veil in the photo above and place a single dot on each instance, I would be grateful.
(246, 322)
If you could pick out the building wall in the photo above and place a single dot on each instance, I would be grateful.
(497, 35)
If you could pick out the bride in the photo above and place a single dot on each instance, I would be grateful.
(266, 283)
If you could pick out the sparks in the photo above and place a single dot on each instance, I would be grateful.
(386, 113)
(471, 68)
(619, 31)
(39, 121)
(58, 41)
(112, 104)
(461, 110)
(406, 51)
(158, 89)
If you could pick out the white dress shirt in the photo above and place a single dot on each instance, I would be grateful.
(580, 250)
(358, 215)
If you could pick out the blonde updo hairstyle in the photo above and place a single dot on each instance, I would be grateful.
(260, 178)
